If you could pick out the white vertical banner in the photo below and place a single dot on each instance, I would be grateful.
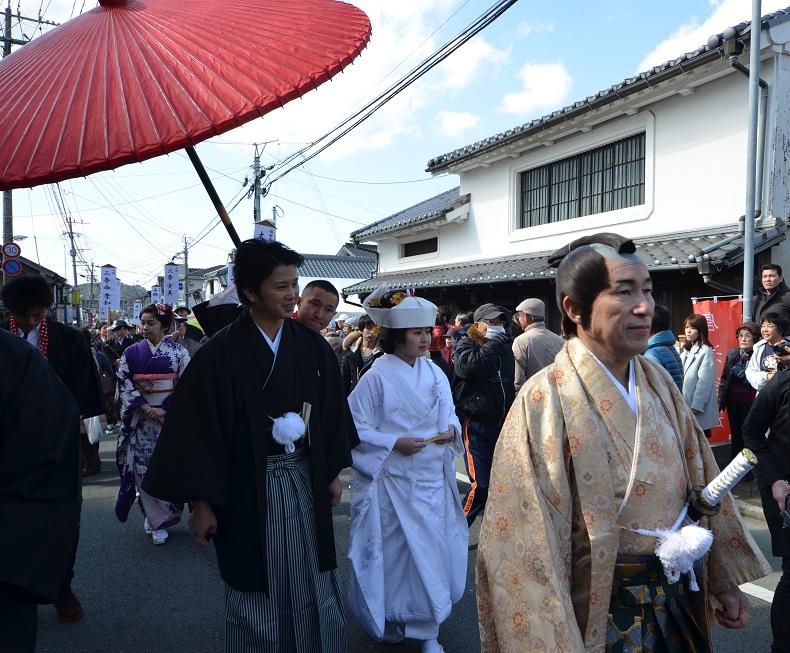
(156, 295)
(138, 308)
(231, 274)
(116, 296)
(170, 290)
(107, 290)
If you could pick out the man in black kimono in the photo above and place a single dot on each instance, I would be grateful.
(265, 494)
(39, 489)
(28, 298)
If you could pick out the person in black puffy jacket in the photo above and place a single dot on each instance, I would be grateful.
(483, 390)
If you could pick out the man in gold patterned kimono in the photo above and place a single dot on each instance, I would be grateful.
(595, 446)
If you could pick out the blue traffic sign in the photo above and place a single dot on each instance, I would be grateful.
(12, 267)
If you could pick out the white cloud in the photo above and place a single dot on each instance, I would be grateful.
(401, 30)
(465, 64)
(691, 35)
(543, 86)
(455, 123)
(525, 29)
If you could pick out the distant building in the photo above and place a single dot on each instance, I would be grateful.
(659, 157)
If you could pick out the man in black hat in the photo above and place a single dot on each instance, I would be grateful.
(483, 391)
(122, 339)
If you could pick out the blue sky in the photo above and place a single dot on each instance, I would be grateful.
(536, 58)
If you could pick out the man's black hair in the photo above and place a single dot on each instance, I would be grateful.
(255, 262)
(778, 321)
(662, 319)
(582, 274)
(28, 293)
(365, 321)
(772, 266)
(322, 284)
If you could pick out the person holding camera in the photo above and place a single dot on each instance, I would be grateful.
(763, 364)
(770, 414)
(483, 390)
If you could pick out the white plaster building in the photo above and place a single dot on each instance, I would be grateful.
(660, 157)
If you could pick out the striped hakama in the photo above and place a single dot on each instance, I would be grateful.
(304, 611)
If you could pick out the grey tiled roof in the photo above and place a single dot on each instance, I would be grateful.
(661, 252)
(349, 249)
(425, 211)
(702, 55)
(322, 266)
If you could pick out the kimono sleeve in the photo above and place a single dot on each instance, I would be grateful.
(526, 542)
(734, 557)
(83, 375)
(339, 431)
(366, 402)
(189, 462)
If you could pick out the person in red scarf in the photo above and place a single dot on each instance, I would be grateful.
(28, 299)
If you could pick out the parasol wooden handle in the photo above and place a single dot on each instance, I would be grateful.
(212, 193)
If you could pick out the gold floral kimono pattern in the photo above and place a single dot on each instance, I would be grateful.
(551, 531)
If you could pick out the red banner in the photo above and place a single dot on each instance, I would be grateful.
(723, 316)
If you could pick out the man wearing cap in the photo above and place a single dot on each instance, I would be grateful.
(593, 469)
(483, 391)
(537, 346)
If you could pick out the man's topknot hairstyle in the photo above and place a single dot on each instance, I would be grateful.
(30, 292)
(256, 260)
(582, 274)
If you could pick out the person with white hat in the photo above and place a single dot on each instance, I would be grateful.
(409, 539)
(536, 347)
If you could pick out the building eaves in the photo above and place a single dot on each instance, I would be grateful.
(678, 251)
(323, 266)
(705, 54)
(424, 212)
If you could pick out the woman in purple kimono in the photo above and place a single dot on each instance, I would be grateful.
(147, 375)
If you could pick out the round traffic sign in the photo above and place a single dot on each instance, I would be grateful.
(11, 250)
(12, 267)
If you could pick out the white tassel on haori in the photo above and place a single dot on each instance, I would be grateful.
(679, 548)
(287, 430)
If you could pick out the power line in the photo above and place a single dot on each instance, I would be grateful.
(357, 118)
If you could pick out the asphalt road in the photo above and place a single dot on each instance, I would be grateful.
(166, 599)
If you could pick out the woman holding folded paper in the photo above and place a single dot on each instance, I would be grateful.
(147, 375)
(409, 537)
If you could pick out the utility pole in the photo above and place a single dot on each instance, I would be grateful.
(73, 253)
(186, 272)
(8, 41)
(256, 176)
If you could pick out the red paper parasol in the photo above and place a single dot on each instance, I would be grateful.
(133, 79)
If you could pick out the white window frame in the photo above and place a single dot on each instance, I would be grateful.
(416, 238)
(608, 133)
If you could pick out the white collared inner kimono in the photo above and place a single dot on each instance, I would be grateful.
(552, 530)
(409, 537)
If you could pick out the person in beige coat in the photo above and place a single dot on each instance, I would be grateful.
(536, 347)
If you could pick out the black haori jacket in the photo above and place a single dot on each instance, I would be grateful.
(217, 435)
(40, 490)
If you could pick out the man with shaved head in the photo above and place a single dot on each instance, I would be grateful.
(597, 446)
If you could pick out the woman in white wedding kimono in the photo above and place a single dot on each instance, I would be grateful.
(409, 537)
